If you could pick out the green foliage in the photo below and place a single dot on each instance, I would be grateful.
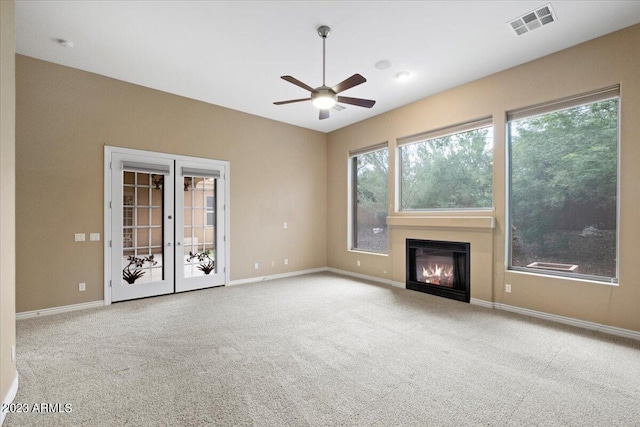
(450, 172)
(563, 158)
(372, 171)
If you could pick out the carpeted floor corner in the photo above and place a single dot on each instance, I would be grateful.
(320, 350)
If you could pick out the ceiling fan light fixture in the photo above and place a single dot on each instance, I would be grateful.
(324, 99)
(324, 102)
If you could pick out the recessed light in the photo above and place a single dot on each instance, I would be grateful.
(66, 43)
(383, 64)
(403, 75)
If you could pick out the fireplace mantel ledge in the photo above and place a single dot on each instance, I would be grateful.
(477, 222)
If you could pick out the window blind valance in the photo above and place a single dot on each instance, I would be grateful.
(445, 131)
(200, 172)
(146, 167)
(564, 103)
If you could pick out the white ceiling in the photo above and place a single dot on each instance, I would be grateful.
(232, 53)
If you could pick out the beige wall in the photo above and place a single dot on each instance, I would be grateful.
(64, 119)
(609, 60)
(7, 197)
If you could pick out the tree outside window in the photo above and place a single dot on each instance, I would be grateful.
(370, 175)
(563, 190)
(448, 172)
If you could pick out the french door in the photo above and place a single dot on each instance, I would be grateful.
(167, 224)
(200, 218)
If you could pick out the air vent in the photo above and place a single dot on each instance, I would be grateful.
(532, 20)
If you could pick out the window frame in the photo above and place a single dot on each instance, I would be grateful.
(601, 95)
(352, 192)
(458, 128)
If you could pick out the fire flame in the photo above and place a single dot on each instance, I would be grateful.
(438, 274)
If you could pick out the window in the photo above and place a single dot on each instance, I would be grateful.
(450, 168)
(563, 187)
(369, 207)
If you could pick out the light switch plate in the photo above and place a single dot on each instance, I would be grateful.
(94, 237)
(80, 237)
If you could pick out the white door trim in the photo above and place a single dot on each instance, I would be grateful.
(108, 152)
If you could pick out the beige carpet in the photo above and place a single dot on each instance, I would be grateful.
(320, 350)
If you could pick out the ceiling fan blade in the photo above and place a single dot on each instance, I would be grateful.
(352, 81)
(324, 114)
(366, 103)
(298, 83)
(291, 101)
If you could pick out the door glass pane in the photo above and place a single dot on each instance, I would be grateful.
(199, 226)
(156, 216)
(143, 216)
(142, 229)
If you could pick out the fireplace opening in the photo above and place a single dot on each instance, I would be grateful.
(439, 268)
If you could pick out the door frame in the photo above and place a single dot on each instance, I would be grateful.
(108, 151)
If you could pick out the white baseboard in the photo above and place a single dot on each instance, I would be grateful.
(482, 303)
(366, 277)
(275, 276)
(598, 327)
(56, 310)
(11, 394)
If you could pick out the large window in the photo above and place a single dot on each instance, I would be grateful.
(563, 187)
(448, 169)
(369, 207)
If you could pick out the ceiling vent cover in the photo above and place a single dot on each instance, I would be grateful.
(532, 20)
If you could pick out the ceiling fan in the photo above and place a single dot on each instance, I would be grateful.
(325, 97)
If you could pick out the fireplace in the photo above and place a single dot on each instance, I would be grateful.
(439, 268)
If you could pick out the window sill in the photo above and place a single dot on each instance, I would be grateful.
(523, 272)
(360, 251)
(475, 222)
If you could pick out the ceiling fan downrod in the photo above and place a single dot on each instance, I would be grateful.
(324, 32)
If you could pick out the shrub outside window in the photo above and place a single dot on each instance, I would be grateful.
(369, 200)
(563, 187)
(448, 169)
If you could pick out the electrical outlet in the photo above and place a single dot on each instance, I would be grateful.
(79, 237)
(507, 288)
(82, 287)
(285, 225)
(273, 263)
(286, 261)
(256, 266)
(358, 263)
(94, 237)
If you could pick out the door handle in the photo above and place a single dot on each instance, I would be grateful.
(168, 243)
(178, 244)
